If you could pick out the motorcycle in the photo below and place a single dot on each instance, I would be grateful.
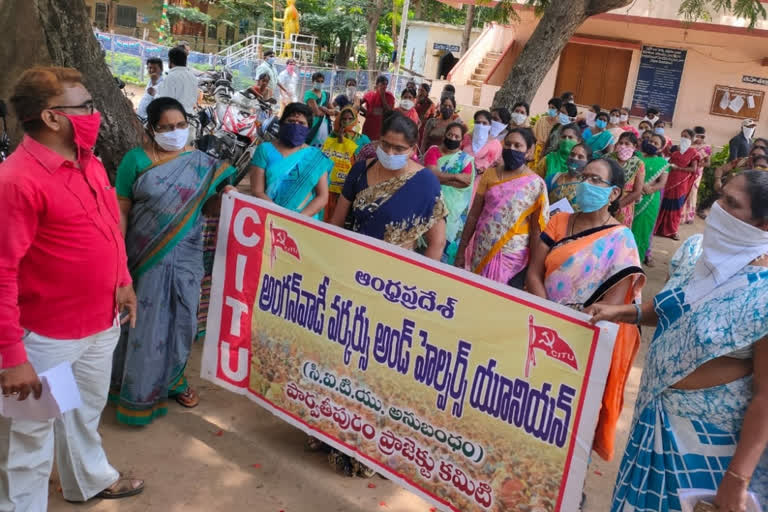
(210, 81)
(5, 141)
(232, 129)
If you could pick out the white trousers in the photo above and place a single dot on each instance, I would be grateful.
(27, 447)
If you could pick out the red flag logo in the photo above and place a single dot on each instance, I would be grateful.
(546, 339)
(282, 240)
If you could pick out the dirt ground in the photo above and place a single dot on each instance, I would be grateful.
(230, 455)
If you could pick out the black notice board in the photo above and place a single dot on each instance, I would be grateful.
(658, 80)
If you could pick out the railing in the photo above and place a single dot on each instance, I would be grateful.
(303, 47)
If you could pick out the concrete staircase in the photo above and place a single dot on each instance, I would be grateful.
(481, 73)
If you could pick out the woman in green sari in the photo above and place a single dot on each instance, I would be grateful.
(647, 208)
(455, 170)
(288, 172)
(318, 101)
(162, 188)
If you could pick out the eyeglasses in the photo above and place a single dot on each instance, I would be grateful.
(594, 180)
(88, 105)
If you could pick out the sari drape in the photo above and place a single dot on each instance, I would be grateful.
(599, 142)
(684, 439)
(676, 192)
(457, 201)
(164, 241)
(579, 270)
(291, 179)
(631, 168)
(398, 210)
(500, 248)
(647, 208)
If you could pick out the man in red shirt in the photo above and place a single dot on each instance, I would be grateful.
(63, 282)
(378, 103)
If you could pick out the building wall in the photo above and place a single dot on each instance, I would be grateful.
(421, 44)
(713, 58)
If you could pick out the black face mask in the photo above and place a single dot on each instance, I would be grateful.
(446, 112)
(648, 148)
(451, 144)
(513, 159)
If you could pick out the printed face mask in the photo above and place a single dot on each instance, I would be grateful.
(513, 159)
(625, 152)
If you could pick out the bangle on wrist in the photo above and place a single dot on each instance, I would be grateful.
(738, 476)
(639, 313)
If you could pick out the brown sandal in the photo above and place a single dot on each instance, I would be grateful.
(123, 488)
(188, 398)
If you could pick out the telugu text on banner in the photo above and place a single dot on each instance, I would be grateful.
(471, 394)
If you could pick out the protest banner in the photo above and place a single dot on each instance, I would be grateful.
(471, 394)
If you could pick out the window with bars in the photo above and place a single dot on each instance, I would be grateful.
(126, 16)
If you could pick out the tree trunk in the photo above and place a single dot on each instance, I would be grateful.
(372, 16)
(560, 21)
(418, 8)
(345, 48)
(467, 28)
(58, 33)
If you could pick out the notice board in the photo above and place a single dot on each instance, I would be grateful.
(658, 80)
(736, 102)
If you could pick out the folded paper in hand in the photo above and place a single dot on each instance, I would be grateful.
(560, 206)
(690, 497)
(60, 394)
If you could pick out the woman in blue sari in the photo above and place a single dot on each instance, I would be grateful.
(392, 197)
(701, 417)
(162, 188)
(598, 137)
(288, 172)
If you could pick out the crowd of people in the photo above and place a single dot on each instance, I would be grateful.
(126, 267)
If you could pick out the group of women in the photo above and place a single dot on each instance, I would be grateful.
(471, 200)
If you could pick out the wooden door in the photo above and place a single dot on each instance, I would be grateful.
(595, 74)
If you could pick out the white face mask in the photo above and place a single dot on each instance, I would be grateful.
(480, 136)
(590, 118)
(497, 128)
(748, 131)
(685, 143)
(391, 162)
(406, 104)
(351, 92)
(173, 141)
(518, 118)
(318, 86)
(729, 245)
(624, 118)
(615, 119)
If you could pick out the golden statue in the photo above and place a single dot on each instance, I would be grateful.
(290, 21)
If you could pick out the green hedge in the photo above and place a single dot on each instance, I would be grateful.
(707, 188)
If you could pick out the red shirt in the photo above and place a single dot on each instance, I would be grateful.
(62, 255)
(375, 113)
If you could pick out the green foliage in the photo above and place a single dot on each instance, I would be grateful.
(707, 186)
(384, 44)
(123, 65)
(336, 20)
(695, 10)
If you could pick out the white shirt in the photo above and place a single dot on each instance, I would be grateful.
(290, 81)
(180, 84)
(147, 98)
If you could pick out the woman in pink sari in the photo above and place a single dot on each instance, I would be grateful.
(509, 210)
(705, 150)
(684, 167)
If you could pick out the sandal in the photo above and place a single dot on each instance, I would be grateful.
(123, 488)
(189, 398)
(675, 237)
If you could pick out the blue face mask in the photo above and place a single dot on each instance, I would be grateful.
(658, 131)
(553, 112)
(391, 162)
(270, 60)
(293, 135)
(564, 119)
(601, 123)
(590, 198)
